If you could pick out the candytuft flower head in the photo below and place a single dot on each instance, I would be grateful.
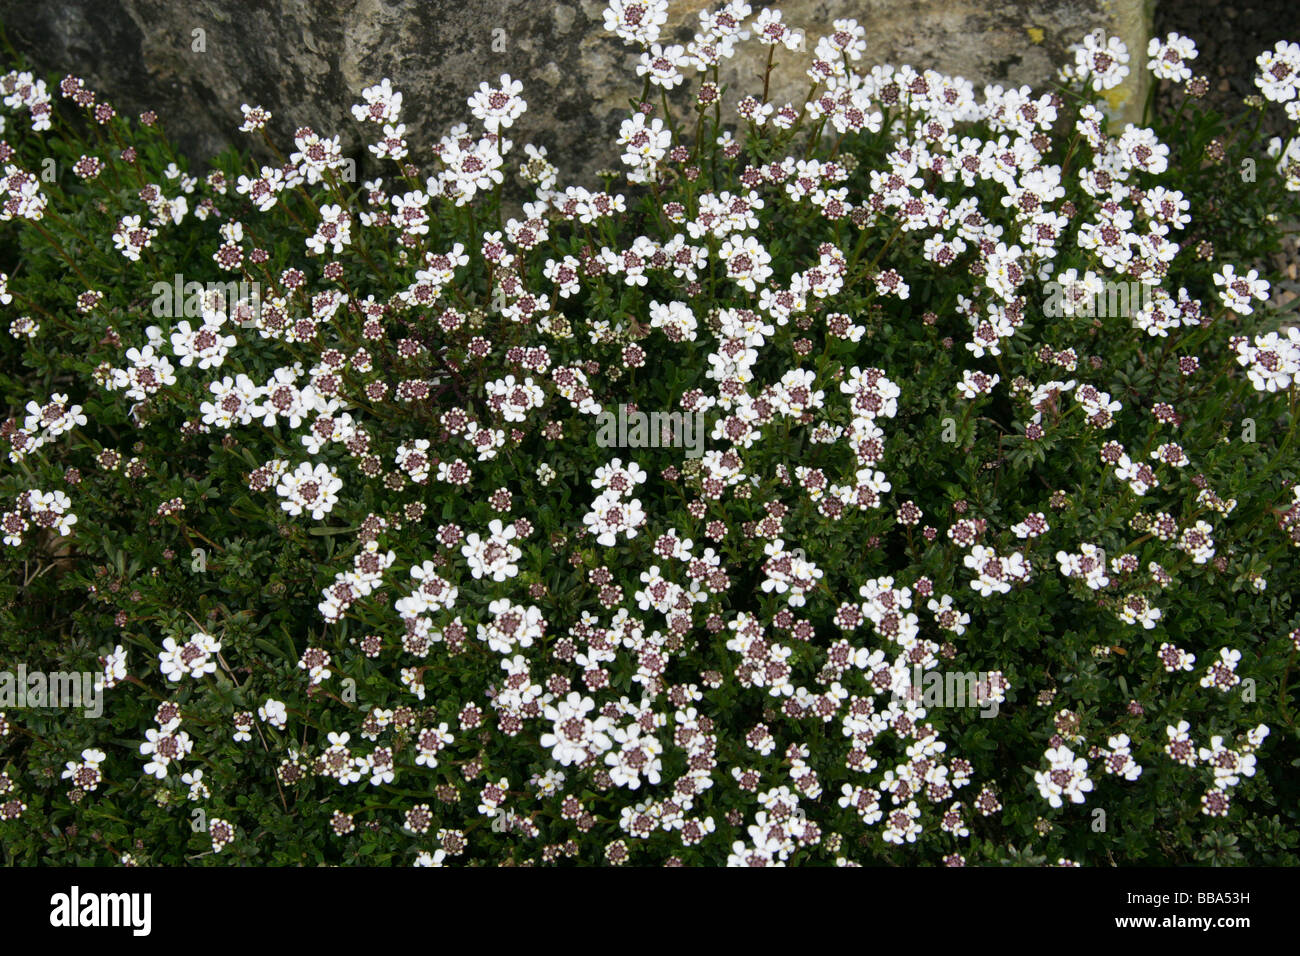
(851, 473)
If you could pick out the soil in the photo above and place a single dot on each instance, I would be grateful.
(1229, 35)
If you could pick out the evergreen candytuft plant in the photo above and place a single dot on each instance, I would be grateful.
(906, 476)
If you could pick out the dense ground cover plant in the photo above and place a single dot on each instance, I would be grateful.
(379, 563)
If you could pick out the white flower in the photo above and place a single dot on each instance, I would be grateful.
(1169, 57)
(1089, 564)
(1229, 765)
(1140, 150)
(334, 231)
(1198, 542)
(194, 658)
(663, 64)
(515, 399)
(430, 741)
(645, 143)
(636, 21)
(1238, 290)
(274, 713)
(637, 756)
(1118, 760)
(747, 261)
(617, 479)
(115, 667)
(131, 236)
(338, 761)
(511, 626)
(1279, 71)
(974, 384)
(573, 735)
(162, 748)
(770, 30)
(1181, 747)
(254, 118)
(495, 555)
(1222, 673)
(610, 516)
(382, 103)
(1066, 776)
(234, 401)
(1272, 360)
(947, 616)
(204, 345)
(1100, 61)
(433, 593)
(309, 488)
(498, 107)
(198, 789)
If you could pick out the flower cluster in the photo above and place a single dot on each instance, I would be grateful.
(807, 493)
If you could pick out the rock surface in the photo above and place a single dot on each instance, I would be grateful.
(195, 62)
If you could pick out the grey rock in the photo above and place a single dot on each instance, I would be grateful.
(307, 61)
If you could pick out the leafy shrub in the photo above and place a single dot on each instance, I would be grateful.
(902, 477)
